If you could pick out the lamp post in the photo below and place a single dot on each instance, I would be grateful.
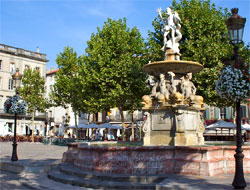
(235, 25)
(66, 120)
(50, 119)
(16, 77)
(48, 122)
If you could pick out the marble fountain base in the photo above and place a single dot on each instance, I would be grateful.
(155, 160)
(173, 126)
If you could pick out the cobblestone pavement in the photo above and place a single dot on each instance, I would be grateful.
(9, 180)
(32, 151)
(35, 157)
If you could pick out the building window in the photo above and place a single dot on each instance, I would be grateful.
(0, 65)
(222, 113)
(12, 67)
(9, 127)
(0, 83)
(37, 68)
(243, 111)
(212, 113)
(10, 85)
(216, 113)
(206, 115)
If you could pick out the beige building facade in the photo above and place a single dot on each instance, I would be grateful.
(12, 58)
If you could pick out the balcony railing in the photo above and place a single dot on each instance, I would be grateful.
(19, 51)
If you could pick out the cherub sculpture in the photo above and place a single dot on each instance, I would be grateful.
(187, 86)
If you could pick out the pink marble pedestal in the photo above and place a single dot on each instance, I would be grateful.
(153, 160)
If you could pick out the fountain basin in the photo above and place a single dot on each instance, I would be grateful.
(154, 160)
(176, 66)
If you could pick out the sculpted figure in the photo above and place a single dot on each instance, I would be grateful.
(163, 95)
(172, 83)
(146, 126)
(153, 85)
(177, 95)
(146, 100)
(187, 86)
(196, 101)
(171, 30)
(154, 90)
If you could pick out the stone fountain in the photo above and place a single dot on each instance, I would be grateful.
(173, 120)
(173, 109)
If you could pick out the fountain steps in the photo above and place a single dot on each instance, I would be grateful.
(69, 174)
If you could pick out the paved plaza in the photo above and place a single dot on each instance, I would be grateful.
(28, 153)
(35, 159)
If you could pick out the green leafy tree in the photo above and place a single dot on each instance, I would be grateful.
(88, 93)
(113, 67)
(33, 92)
(204, 40)
(66, 89)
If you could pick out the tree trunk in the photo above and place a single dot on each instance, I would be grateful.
(94, 117)
(123, 124)
(32, 125)
(87, 130)
(76, 126)
(132, 127)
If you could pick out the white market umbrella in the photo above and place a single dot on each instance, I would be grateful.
(245, 126)
(109, 126)
(116, 127)
(105, 125)
(79, 126)
(92, 125)
(221, 124)
(82, 125)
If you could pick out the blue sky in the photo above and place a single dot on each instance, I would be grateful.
(53, 24)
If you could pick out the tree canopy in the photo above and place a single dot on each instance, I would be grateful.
(67, 88)
(113, 70)
(33, 90)
(205, 40)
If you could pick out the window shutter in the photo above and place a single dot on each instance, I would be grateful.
(207, 113)
(244, 111)
(216, 113)
(227, 113)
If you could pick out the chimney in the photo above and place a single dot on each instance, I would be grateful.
(37, 49)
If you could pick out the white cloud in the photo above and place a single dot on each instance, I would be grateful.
(96, 12)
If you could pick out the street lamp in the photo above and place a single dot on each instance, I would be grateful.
(235, 25)
(65, 120)
(48, 122)
(16, 77)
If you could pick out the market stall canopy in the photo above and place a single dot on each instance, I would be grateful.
(221, 124)
(92, 125)
(245, 126)
(79, 126)
(109, 126)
